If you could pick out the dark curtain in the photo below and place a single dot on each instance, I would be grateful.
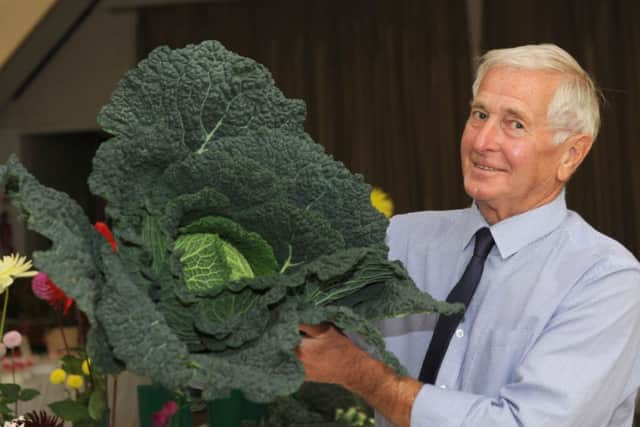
(604, 36)
(386, 82)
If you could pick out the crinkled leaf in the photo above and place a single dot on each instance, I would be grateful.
(71, 261)
(208, 262)
(155, 243)
(233, 318)
(138, 333)
(252, 246)
(264, 369)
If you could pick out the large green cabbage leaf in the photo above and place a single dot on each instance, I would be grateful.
(232, 226)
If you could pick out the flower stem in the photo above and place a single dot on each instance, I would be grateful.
(115, 399)
(13, 373)
(64, 338)
(4, 311)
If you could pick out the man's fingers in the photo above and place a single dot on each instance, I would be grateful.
(313, 330)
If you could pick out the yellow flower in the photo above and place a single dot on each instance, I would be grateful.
(57, 376)
(74, 381)
(85, 367)
(382, 202)
(14, 266)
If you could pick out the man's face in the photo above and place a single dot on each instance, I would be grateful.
(509, 161)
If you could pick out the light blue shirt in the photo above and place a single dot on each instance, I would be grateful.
(552, 334)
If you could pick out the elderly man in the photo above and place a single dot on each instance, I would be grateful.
(551, 334)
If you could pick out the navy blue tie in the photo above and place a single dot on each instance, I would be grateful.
(462, 293)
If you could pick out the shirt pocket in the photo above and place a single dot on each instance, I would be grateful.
(494, 356)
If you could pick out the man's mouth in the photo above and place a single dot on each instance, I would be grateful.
(485, 167)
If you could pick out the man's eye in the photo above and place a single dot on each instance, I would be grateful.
(517, 125)
(480, 115)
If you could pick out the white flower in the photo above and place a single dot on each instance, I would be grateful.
(14, 266)
(18, 422)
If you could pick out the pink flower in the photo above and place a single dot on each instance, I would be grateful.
(12, 339)
(45, 289)
(171, 407)
(163, 416)
(40, 287)
(159, 419)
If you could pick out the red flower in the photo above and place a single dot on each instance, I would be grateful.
(45, 289)
(42, 419)
(103, 229)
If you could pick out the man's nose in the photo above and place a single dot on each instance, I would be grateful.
(488, 137)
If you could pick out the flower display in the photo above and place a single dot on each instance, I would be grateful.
(16, 422)
(57, 376)
(87, 401)
(382, 202)
(85, 367)
(10, 395)
(42, 419)
(75, 381)
(35, 419)
(12, 267)
(44, 289)
(12, 339)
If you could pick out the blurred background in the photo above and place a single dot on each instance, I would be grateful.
(386, 83)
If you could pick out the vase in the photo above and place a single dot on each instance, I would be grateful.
(92, 423)
(232, 411)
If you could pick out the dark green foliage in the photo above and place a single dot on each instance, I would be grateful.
(204, 144)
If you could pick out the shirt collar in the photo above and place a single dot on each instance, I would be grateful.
(514, 233)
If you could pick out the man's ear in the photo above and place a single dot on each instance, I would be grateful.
(576, 149)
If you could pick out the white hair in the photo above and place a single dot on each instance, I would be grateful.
(574, 108)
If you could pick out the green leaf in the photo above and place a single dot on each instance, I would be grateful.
(134, 327)
(154, 242)
(71, 262)
(4, 409)
(28, 394)
(69, 410)
(233, 318)
(262, 369)
(257, 252)
(72, 364)
(96, 405)
(10, 392)
(209, 262)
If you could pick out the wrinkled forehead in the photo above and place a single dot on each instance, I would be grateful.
(528, 92)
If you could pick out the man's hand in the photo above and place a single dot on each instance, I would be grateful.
(330, 357)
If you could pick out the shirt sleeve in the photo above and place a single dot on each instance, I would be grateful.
(575, 374)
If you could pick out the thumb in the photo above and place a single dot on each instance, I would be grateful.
(313, 330)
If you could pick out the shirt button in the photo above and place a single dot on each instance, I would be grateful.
(442, 386)
(459, 333)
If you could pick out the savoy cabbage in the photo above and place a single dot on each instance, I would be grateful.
(232, 226)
